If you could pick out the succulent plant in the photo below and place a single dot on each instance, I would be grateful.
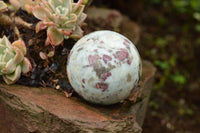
(12, 60)
(24, 4)
(3, 6)
(62, 18)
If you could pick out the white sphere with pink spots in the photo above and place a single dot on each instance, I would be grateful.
(104, 67)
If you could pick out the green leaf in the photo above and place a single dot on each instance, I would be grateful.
(5, 41)
(10, 67)
(19, 56)
(81, 19)
(68, 25)
(181, 5)
(85, 2)
(172, 60)
(20, 45)
(67, 4)
(55, 3)
(161, 42)
(55, 36)
(12, 78)
(2, 65)
(25, 65)
(195, 4)
(78, 33)
(178, 78)
(197, 27)
(196, 15)
(79, 10)
(41, 12)
(3, 6)
(8, 54)
(162, 64)
(154, 104)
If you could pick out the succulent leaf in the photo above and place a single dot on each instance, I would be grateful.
(8, 54)
(77, 33)
(13, 77)
(12, 60)
(4, 41)
(21, 45)
(81, 19)
(9, 67)
(2, 48)
(26, 66)
(55, 36)
(41, 12)
(23, 4)
(3, 6)
(68, 4)
(40, 26)
(79, 10)
(55, 3)
(19, 55)
(59, 17)
(51, 54)
(71, 23)
(2, 65)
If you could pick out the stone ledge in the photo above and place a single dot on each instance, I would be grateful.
(45, 110)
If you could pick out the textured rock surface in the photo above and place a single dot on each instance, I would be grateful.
(44, 110)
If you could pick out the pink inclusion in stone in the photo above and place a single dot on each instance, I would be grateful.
(83, 86)
(127, 41)
(126, 44)
(106, 58)
(102, 86)
(129, 61)
(122, 54)
(101, 41)
(106, 75)
(83, 80)
(92, 59)
(95, 50)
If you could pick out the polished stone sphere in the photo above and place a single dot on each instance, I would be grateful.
(104, 67)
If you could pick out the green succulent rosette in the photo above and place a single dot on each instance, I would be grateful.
(12, 60)
(62, 18)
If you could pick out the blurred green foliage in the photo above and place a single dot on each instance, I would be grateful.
(183, 6)
(172, 42)
(189, 7)
(185, 111)
(178, 78)
(85, 2)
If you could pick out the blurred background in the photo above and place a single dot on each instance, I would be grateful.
(170, 39)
